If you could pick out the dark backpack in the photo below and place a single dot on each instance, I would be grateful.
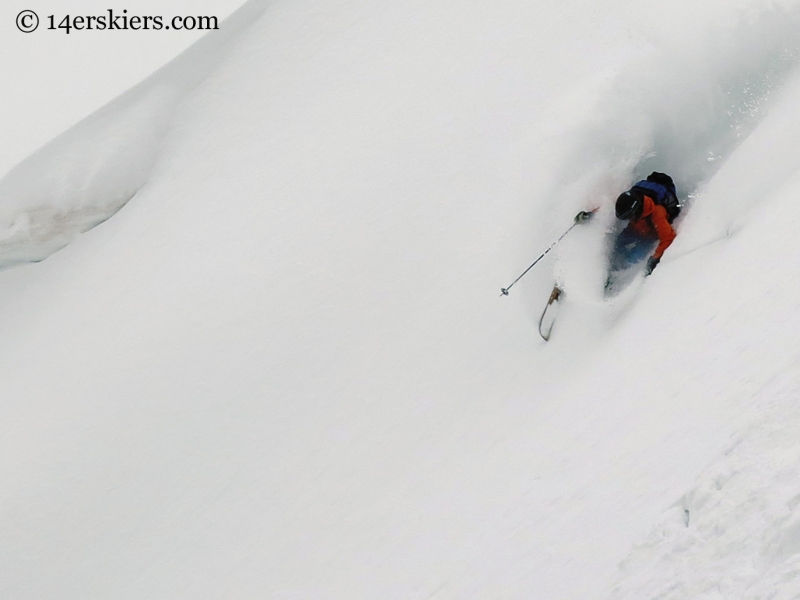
(661, 189)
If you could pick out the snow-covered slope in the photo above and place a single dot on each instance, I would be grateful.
(283, 370)
(86, 174)
(53, 78)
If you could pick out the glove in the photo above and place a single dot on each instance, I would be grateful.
(652, 263)
(583, 216)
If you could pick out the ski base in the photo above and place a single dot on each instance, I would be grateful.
(550, 313)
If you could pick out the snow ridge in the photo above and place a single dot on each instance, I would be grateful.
(92, 170)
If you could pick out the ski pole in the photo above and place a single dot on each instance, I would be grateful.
(541, 256)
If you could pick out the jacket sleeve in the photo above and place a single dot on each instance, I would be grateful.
(666, 234)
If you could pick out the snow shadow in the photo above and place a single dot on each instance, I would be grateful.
(85, 175)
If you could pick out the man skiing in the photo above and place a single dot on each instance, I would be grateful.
(650, 207)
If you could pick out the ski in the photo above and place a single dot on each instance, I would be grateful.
(549, 314)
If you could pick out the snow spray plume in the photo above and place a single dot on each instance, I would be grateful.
(682, 107)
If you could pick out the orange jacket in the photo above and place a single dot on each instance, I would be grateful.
(653, 223)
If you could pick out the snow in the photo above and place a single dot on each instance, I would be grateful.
(88, 173)
(58, 78)
(280, 365)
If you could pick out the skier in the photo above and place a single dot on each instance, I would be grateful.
(650, 207)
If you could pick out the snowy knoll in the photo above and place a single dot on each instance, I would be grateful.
(88, 173)
(282, 370)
